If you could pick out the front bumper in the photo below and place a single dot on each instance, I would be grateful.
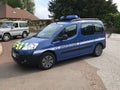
(30, 60)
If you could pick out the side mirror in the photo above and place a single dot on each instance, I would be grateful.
(64, 37)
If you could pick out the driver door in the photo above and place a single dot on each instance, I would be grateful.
(67, 45)
(15, 29)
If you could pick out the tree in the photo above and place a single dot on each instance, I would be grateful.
(28, 5)
(13, 3)
(83, 8)
(23, 4)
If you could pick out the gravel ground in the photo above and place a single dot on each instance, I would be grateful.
(109, 63)
(82, 73)
(0, 48)
(74, 74)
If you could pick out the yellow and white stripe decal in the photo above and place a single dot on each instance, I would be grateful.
(68, 45)
(19, 45)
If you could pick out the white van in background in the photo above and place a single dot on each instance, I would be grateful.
(13, 29)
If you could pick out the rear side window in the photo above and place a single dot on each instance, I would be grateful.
(98, 28)
(89, 29)
(23, 24)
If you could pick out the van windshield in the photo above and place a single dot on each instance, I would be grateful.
(49, 31)
(6, 25)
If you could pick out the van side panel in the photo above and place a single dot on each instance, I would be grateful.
(82, 45)
(91, 39)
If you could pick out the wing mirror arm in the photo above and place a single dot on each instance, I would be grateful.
(64, 37)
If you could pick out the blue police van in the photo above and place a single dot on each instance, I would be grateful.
(67, 38)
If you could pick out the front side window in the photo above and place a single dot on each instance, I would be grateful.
(15, 25)
(69, 31)
(49, 31)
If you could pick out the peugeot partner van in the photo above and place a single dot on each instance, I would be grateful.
(13, 29)
(68, 38)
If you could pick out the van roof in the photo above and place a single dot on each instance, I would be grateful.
(16, 21)
(69, 19)
(80, 21)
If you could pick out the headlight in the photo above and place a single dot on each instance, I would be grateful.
(31, 46)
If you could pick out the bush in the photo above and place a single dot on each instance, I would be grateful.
(117, 22)
(113, 22)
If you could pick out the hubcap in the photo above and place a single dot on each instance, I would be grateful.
(98, 50)
(6, 38)
(47, 61)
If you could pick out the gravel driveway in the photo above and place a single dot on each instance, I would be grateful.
(109, 63)
(82, 73)
(0, 48)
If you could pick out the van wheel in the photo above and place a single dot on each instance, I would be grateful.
(47, 61)
(24, 34)
(6, 37)
(98, 50)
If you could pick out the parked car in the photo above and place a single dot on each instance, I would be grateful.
(68, 38)
(13, 29)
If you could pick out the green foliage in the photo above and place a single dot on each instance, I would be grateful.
(108, 20)
(23, 4)
(14, 3)
(113, 21)
(83, 8)
(28, 5)
(117, 22)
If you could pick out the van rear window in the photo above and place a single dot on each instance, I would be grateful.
(23, 24)
(89, 29)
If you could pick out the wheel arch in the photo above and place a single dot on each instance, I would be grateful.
(24, 32)
(52, 53)
(100, 44)
(6, 33)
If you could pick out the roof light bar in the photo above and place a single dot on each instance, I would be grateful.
(68, 17)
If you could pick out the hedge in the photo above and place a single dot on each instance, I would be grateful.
(113, 21)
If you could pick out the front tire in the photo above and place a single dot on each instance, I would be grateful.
(98, 50)
(47, 61)
(6, 37)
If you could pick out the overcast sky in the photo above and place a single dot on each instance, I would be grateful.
(41, 8)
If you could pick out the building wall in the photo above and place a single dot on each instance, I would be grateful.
(37, 25)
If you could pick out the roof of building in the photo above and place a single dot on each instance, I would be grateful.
(15, 13)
